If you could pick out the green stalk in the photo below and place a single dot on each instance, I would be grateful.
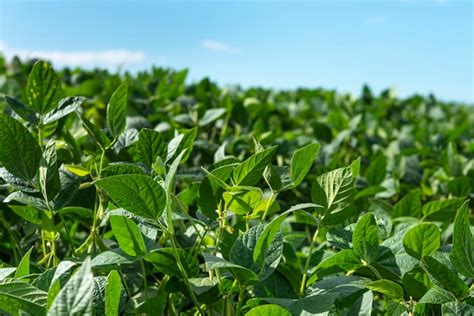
(269, 204)
(240, 301)
(306, 265)
(145, 283)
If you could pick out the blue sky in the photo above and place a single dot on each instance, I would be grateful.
(415, 45)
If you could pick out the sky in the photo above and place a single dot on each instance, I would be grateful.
(416, 46)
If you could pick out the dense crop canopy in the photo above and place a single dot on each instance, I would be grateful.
(140, 194)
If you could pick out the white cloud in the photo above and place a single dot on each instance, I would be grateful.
(378, 19)
(104, 58)
(219, 47)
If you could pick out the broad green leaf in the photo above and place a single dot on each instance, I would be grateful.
(121, 168)
(77, 170)
(211, 115)
(317, 304)
(182, 142)
(138, 194)
(27, 212)
(266, 238)
(462, 254)
(365, 239)
(375, 173)
(22, 110)
(117, 111)
(99, 136)
(65, 107)
(242, 202)
(441, 210)
(75, 298)
(111, 258)
(344, 260)
(16, 296)
(128, 235)
(409, 205)
(270, 309)
(437, 295)
(422, 240)
(416, 282)
(164, 260)
(50, 183)
(334, 190)
(151, 144)
(20, 153)
(302, 161)
(250, 171)
(244, 275)
(446, 277)
(242, 252)
(387, 287)
(23, 268)
(43, 89)
(457, 308)
(113, 291)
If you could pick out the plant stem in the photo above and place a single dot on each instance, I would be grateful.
(308, 260)
(240, 301)
(145, 283)
(269, 204)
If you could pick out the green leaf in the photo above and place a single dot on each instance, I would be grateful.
(211, 115)
(242, 252)
(75, 298)
(128, 235)
(334, 190)
(20, 154)
(437, 295)
(387, 287)
(462, 254)
(266, 238)
(422, 240)
(111, 258)
(250, 171)
(16, 296)
(164, 261)
(22, 110)
(242, 202)
(376, 171)
(43, 89)
(244, 275)
(302, 161)
(342, 261)
(23, 268)
(50, 183)
(441, 210)
(317, 304)
(409, 205)
(138, 194)
(446, 277)
(182, 142)
(151, 144)
(66, 106)
(117, 111)
(269, 309)
(121, 168)
(365, 239)
(456, 309)
(99, 136)
(113, 291)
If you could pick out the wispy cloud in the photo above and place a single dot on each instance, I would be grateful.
(105, 58)
(220, 47)
(377, 19)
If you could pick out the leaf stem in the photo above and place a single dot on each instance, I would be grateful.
(308, 260)
(240, 301)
